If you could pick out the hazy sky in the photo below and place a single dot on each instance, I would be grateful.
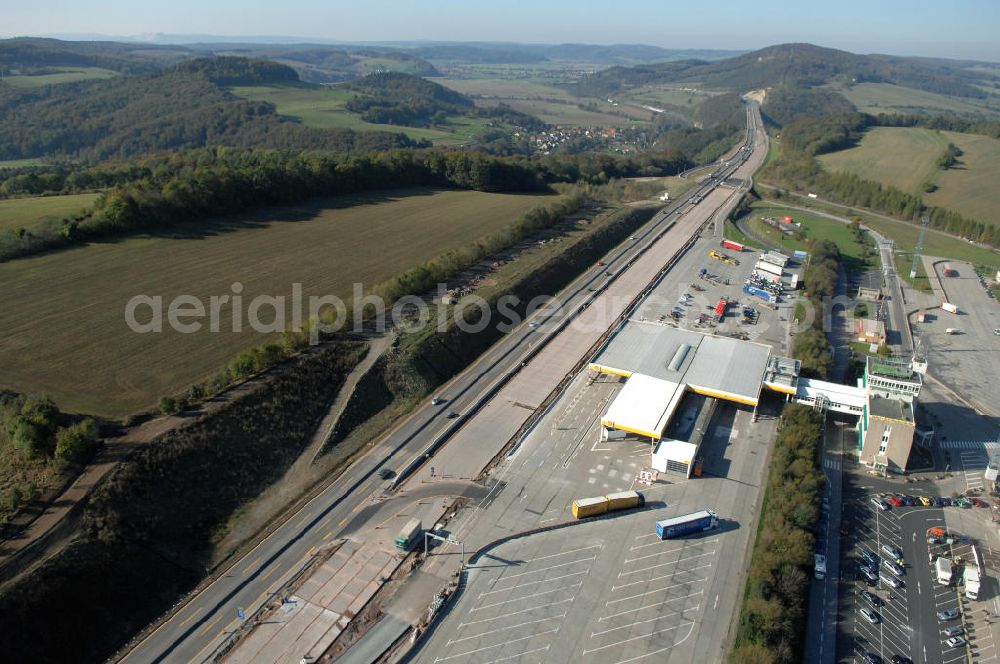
(955, 28)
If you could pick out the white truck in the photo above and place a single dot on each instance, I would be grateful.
(949, 307)
(971, 581)
(943, 567)
(952, 330)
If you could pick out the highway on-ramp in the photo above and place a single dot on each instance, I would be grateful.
(194, 631)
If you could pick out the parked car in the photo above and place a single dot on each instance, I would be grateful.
(955, 642)
(868, 555)
(872, 598)
(896, 501)
(950, 614)
(978, 503)
(879, 503)
(386, 474)
(954, 630)
(893, 567)
(437, 401)
(925, 501)
(890, 581)
(867, 574)
(937, 502)
(870, 616)
(893, 551)
(899, 659)
(946, 501)
(963, 502)
(452, 415)
(871, 658)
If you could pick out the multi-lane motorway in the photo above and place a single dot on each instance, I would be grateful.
(193, 632)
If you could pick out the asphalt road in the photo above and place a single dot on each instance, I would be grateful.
(195, 631)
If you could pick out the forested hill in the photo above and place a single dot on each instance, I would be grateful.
(180, 107)
(34, 53)
(801, 65)
(402, 99)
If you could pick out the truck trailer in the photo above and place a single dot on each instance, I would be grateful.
(761, 293)
(774, 258)
(729, 244)
(623, 500)
(971, 581)
(771, 268)
(678, 526)
(949, 307)
(943, 567)
(409, 534)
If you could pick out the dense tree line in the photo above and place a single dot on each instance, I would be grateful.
(772, 622)
(175, 109)
(38, 445)
(957, 123)
(228, 70)
(811, 346)
(819, 135)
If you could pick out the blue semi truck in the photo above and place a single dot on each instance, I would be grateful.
(679, 526)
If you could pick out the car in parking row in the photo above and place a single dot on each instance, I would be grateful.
(887, 501)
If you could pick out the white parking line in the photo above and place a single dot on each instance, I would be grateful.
(503, 629)
(527, 652)
(533, 583)
(497, 645)
(650, 606)
(660, 543)
(535, 571)
(669, 562)
(566, 553)
(685, 571)
(643, 622)
(514, 613)
(650, 592)
(517, 599)
(657, 555)
(656, 652)
(636, 638)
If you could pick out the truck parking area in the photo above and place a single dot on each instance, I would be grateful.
(607, 589)
(606, 600)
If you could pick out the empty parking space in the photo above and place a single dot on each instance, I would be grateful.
(517, 605)
(654, 600)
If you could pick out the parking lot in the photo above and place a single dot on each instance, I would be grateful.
(906, 622)
(970, 358)
(543, 591)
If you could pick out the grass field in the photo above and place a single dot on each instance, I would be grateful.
(504, 88)
(878, 98)
(904, 234)
(904, 158)
(64, 75)
(567, 114)
(63, 315)
(30, 212)
(323, 107)
(856, 256)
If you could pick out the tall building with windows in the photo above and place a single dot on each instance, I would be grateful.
(887, 425)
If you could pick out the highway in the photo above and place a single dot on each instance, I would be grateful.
(192, 633)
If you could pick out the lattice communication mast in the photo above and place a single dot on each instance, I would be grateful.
(919, 248)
